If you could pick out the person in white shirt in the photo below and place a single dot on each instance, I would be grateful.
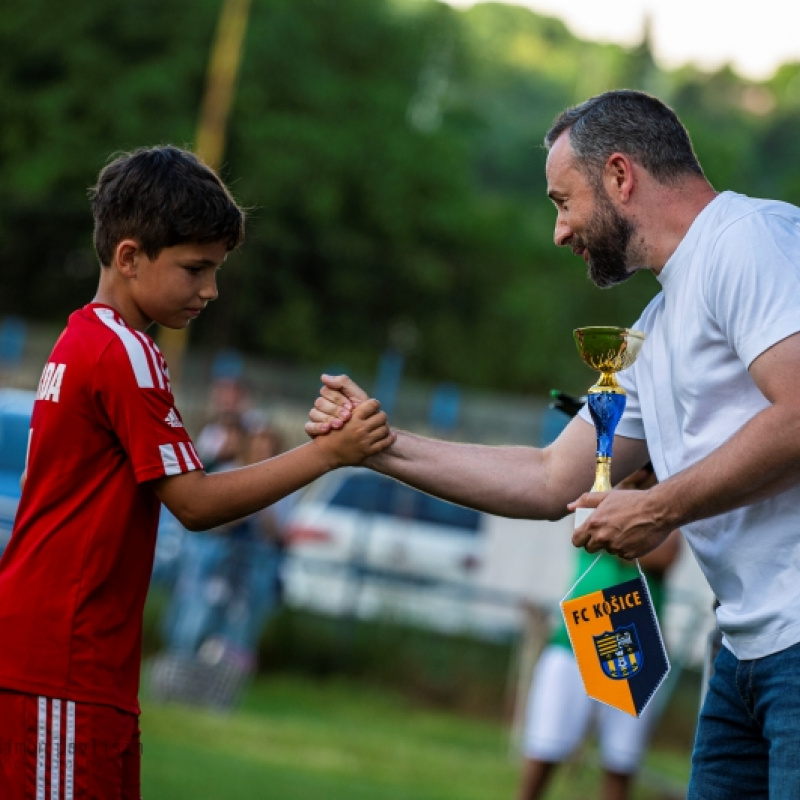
(713, 402)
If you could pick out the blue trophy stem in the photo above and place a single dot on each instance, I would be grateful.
(606, 408)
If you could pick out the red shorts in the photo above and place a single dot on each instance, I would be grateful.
(62, 750)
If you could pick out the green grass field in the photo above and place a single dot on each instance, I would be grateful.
(296, 739)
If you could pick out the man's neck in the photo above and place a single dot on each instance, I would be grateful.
(672, 213)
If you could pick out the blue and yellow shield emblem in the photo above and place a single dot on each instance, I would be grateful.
(619, 652)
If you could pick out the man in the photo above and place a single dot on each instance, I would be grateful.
(713, 401)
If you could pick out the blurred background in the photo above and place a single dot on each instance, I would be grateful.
(389, 155)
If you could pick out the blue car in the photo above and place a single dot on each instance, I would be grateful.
(15, 417)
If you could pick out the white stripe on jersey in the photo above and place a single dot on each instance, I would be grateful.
(41, 749)
(69, 771)
(152, 357)
(169, 458)
(138, 355)
(55, 750)
(185, 452)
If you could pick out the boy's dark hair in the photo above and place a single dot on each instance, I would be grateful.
(630, 122)
(161, 197)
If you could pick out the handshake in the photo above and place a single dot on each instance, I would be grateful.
(347, 423)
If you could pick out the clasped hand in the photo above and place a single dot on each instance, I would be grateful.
(624, 523)
(338, 399)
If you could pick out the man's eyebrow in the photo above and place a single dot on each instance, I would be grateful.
(553, 194)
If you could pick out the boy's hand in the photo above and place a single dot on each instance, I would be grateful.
(365, 434)
(338, 397)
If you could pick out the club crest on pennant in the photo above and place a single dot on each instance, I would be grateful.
(619, 652)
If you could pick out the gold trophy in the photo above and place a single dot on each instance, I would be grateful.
(607, 350)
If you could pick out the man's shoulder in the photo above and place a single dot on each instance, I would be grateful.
(733, 213)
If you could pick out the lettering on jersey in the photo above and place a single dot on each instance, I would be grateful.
(50, 383)
(173, 419)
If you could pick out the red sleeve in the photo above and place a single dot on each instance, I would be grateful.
(141, 409)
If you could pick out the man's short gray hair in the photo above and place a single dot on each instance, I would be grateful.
(629, 122)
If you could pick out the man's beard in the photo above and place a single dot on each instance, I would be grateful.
(607, 239)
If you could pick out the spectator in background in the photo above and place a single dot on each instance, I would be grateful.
(256, 549)
(229, 402)
(229, 581)
(560, 714)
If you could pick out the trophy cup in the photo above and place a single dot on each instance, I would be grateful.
(607, 350)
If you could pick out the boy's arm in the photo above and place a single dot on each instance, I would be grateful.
(201, 501)
(524, 482)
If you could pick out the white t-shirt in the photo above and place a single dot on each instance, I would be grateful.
(729, 292)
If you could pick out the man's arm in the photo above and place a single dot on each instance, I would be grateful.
(523, 482)
(664, 556)
(760, 460)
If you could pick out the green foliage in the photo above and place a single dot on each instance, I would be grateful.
(389, 152)
(79, 81)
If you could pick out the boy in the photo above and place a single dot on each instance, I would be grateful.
(106, 448)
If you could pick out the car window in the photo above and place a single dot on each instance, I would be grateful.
(431, 509)
(364, 492)
(376, 494)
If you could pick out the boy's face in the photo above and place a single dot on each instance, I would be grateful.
(174, 287)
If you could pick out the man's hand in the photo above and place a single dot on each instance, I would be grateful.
(625, 522)
(365, 434)
(339, 395)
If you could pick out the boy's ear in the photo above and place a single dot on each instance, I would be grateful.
(126, 255)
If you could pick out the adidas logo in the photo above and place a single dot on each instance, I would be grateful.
(173, 420)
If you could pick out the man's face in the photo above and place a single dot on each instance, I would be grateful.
(587, 221)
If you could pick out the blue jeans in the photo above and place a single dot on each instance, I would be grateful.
(748, 737)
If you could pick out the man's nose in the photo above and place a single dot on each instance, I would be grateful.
(562, 233)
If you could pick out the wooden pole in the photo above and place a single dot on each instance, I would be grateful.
(211, 136)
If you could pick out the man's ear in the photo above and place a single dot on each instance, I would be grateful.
(618, 176)
(126, 256)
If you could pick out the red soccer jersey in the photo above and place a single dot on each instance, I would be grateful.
(75, 574)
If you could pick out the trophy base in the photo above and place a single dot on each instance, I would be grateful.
(581, 515)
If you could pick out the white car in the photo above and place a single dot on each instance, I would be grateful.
(361, 543)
